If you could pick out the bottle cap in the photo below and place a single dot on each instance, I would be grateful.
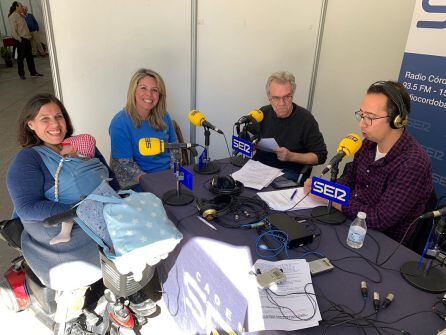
(362, 215)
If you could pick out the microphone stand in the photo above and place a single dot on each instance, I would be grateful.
(423, 275)
(208, 166)
(178, 196)
(239, 159)
(328, 214)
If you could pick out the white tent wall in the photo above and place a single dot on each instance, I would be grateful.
(99, 44)
(240, 43)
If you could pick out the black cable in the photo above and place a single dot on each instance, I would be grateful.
(378, 247)
(294, 317)
(402, 318)
(239, 203)
(399, 244)
(227, 146)
(298, 202)
(372, 265)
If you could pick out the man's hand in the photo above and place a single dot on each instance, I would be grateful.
(307, 189)
(283, 154)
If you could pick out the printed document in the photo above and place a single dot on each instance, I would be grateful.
(285, 306)
(267, 144)
(256, 175)
(283, 200)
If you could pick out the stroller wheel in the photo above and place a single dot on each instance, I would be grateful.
(7, 296)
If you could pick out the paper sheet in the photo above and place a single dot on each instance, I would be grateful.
(281, 200)
(267, 144)
(256, 175)
(301, 310)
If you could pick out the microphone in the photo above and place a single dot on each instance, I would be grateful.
(364, 290)
(388, 300)
(376, 301)
(348, 146)
(198, 119)
(254, 115)
(151, 146)
(434, 214)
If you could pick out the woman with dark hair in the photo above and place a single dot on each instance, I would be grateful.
(22, 36)
(66, 267)
(14, 5)
(144, 116)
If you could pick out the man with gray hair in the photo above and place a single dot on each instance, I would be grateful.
(293, 127)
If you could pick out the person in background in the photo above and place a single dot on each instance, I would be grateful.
(20, 32)
(33, 27)
(143, 116)
(391, 176)
(293, 127)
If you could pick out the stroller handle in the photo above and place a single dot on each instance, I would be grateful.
(61, 217)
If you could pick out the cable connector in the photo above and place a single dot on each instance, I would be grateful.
(388, 300)
(376, 302)
(364, 290)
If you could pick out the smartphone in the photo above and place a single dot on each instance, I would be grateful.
(320, 265)
(284, 183)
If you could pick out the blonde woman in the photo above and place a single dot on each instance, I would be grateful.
(144, 115)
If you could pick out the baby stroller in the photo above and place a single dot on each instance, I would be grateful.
(111, 306)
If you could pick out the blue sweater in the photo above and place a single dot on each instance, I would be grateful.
(125, 138)
(28, 179)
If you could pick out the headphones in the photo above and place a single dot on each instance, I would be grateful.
(210, 209)
(401, 117)
(225, 185)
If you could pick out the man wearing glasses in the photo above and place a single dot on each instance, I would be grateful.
(391, 177)
(293, 127)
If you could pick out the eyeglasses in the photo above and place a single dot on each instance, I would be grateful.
(285, 99)
(367, 119)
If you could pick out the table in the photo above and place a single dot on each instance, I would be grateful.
(206, 283)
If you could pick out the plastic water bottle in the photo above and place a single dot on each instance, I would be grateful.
(357, 231)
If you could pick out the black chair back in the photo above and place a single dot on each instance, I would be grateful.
(11, 232)
(420, 235)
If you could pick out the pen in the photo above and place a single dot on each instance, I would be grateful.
(206, 223)
(294, 194)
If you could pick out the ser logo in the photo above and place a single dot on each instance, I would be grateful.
(330, 190)
(420, 125)
(439, 179)
(434, 153)
(242, 146)
(428, 8)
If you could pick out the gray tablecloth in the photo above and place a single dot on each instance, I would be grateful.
(200, 291)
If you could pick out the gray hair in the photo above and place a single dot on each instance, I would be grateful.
(282, 77)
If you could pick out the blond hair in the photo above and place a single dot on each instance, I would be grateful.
(156, 115)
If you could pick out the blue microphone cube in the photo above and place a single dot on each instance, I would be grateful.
(243, 146)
